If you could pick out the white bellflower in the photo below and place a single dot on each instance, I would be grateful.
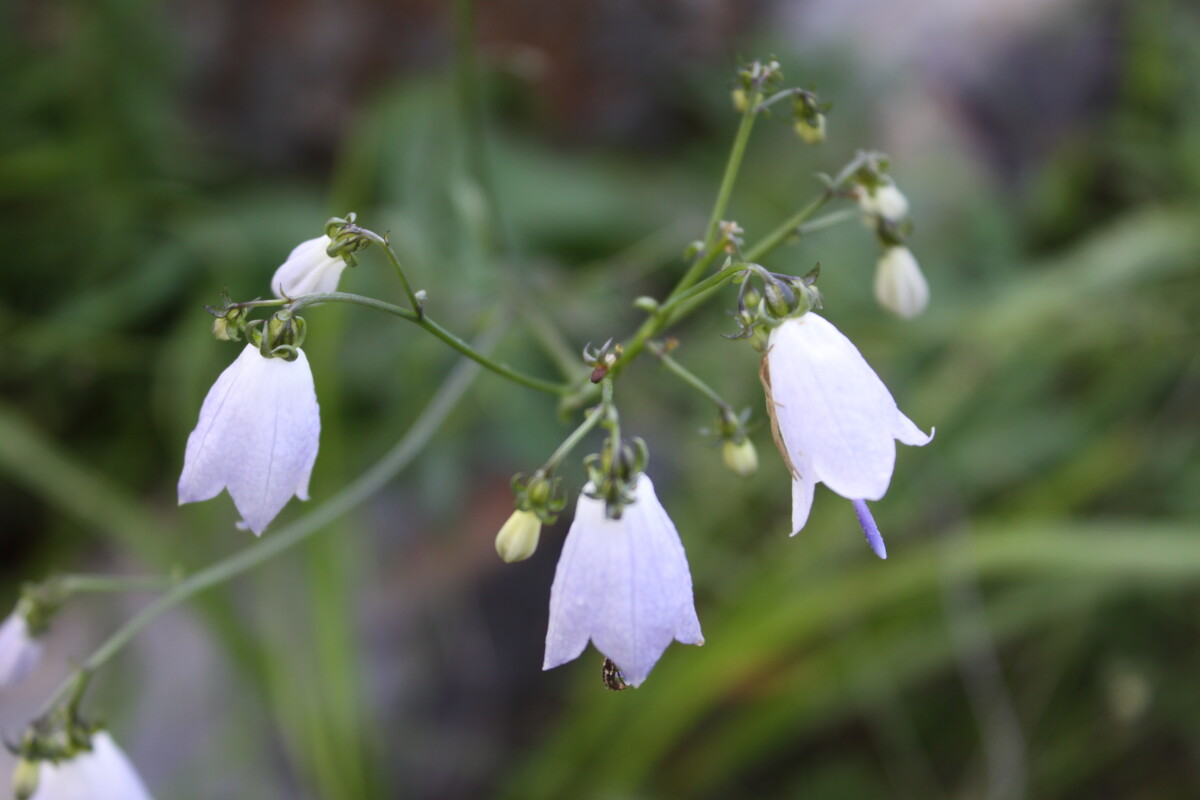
(835, 421)
(257, 437)
(20, 651)
(308, 269)
(104, 773)
(622, 583)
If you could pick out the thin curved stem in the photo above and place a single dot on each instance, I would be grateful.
(80, 584)
(263, 550)
(792, 225)
(568, 444)
(689, 377)
(437, 330)
(394, 260)
(665, 314)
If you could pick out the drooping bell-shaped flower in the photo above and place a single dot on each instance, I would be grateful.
(103, 773)
(257, 437)
(835, 421)
(20, 650)
(900, 287)
(309, 268)
(622, 583)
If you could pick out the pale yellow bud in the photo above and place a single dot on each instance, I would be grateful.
(812, 132)
(738, 97)
(742, 459)
(26, 779)
(518, 538)
(900, 287)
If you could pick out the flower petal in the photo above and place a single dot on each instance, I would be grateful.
(900, 286)
(802, 500)
(102, 774)
(258, 436)
(308, 269)
(624, 584)
(832, 407)
(19, 651)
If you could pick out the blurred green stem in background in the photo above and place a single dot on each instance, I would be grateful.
(79, 584)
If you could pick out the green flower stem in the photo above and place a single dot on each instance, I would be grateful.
(597, 414)
(80, 584)
(775, 98)
(260, 303)
(732, 167)
(662, 316)
(792, 225)
(386, 246)
(689, 377)
(263, 550)
(437, 330)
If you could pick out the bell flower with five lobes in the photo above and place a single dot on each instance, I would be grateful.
(257, 437)
(622, 583)
(834, 420)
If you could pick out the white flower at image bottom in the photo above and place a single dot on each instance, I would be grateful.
(836, 423)
(257, 437)
(624, 584)
(20, 652)
(308, 269)
(102, 774)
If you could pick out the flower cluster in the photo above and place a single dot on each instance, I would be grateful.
(622, 581)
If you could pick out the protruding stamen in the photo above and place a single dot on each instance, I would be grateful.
(874, 537)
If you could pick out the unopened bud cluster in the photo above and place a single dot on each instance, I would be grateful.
(899, 283)
(780, 298)
(809, 117)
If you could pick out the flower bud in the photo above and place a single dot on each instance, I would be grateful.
(738, 98)
(900, 287)
(518, 537)
(779, 298)
(884, 201)
(283, 330)
(811, 129)
(740, 457)
(25, 779)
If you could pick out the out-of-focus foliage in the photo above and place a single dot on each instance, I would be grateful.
(1035, 631)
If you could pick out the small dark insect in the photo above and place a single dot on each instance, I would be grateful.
(612, 677)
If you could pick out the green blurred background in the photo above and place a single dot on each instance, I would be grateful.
(1036, 630)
